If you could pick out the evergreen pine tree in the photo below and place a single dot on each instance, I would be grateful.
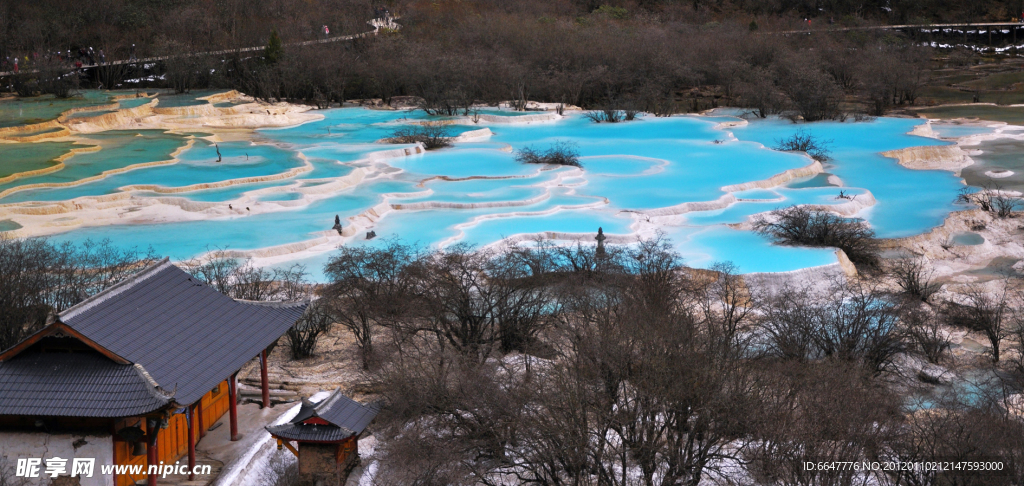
(274, 49)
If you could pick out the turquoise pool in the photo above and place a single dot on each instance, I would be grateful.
(637, 180)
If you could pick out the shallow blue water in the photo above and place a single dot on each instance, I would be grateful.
(627, 168)
(954, 130)
(909, 201)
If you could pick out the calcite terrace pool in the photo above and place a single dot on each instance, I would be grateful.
(143, 176)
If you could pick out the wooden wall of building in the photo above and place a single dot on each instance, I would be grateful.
(172, 442)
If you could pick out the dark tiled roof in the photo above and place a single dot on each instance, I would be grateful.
(81, 384)
(347, 417)
(310, 433)
(346, 412)
(188, 336)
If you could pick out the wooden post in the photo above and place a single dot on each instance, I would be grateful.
(153, 428)
(233, 405)
(199, 418)
(114, 440)
(264, 381)
(190, 420)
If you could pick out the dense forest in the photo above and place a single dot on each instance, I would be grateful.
(655, 56)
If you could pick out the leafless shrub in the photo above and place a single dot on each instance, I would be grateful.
(804, 141)
(801, 420)
(8, 475)
(849, 323)
(913, 277)
(49, 77)
(303, 337)
(607, 115)
(959, 428)
(981, 311)
(992, 198)
(925, 330)
(433, 135)
(560, 153)
(797, 225)
(962, 56)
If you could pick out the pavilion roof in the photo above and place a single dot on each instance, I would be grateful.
(185, 337)
(345, 418)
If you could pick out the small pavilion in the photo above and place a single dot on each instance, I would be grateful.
(326, 436)
(148, 365)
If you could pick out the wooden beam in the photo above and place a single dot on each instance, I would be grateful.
(287, 444)
(264, 381)
(233, 405)
(60, 329)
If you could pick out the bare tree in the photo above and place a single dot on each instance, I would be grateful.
(820, 414)
(306, 333)
(814, 94)
(370, 287)
(804, 141)
(216, 270)
(42, 278)
(762, 93)
(849, 322)
(250, 282)
(246, 281)
(913, 277)
(926, 333)
(991, 198)
(982, 311)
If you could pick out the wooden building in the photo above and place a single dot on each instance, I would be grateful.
(326, 436)
(146, 366)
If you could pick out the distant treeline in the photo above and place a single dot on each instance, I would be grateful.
(158, 25)
(655, 56)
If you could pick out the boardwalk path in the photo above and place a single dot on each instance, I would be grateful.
(978, 26)
(144, 60)
(967, 26)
